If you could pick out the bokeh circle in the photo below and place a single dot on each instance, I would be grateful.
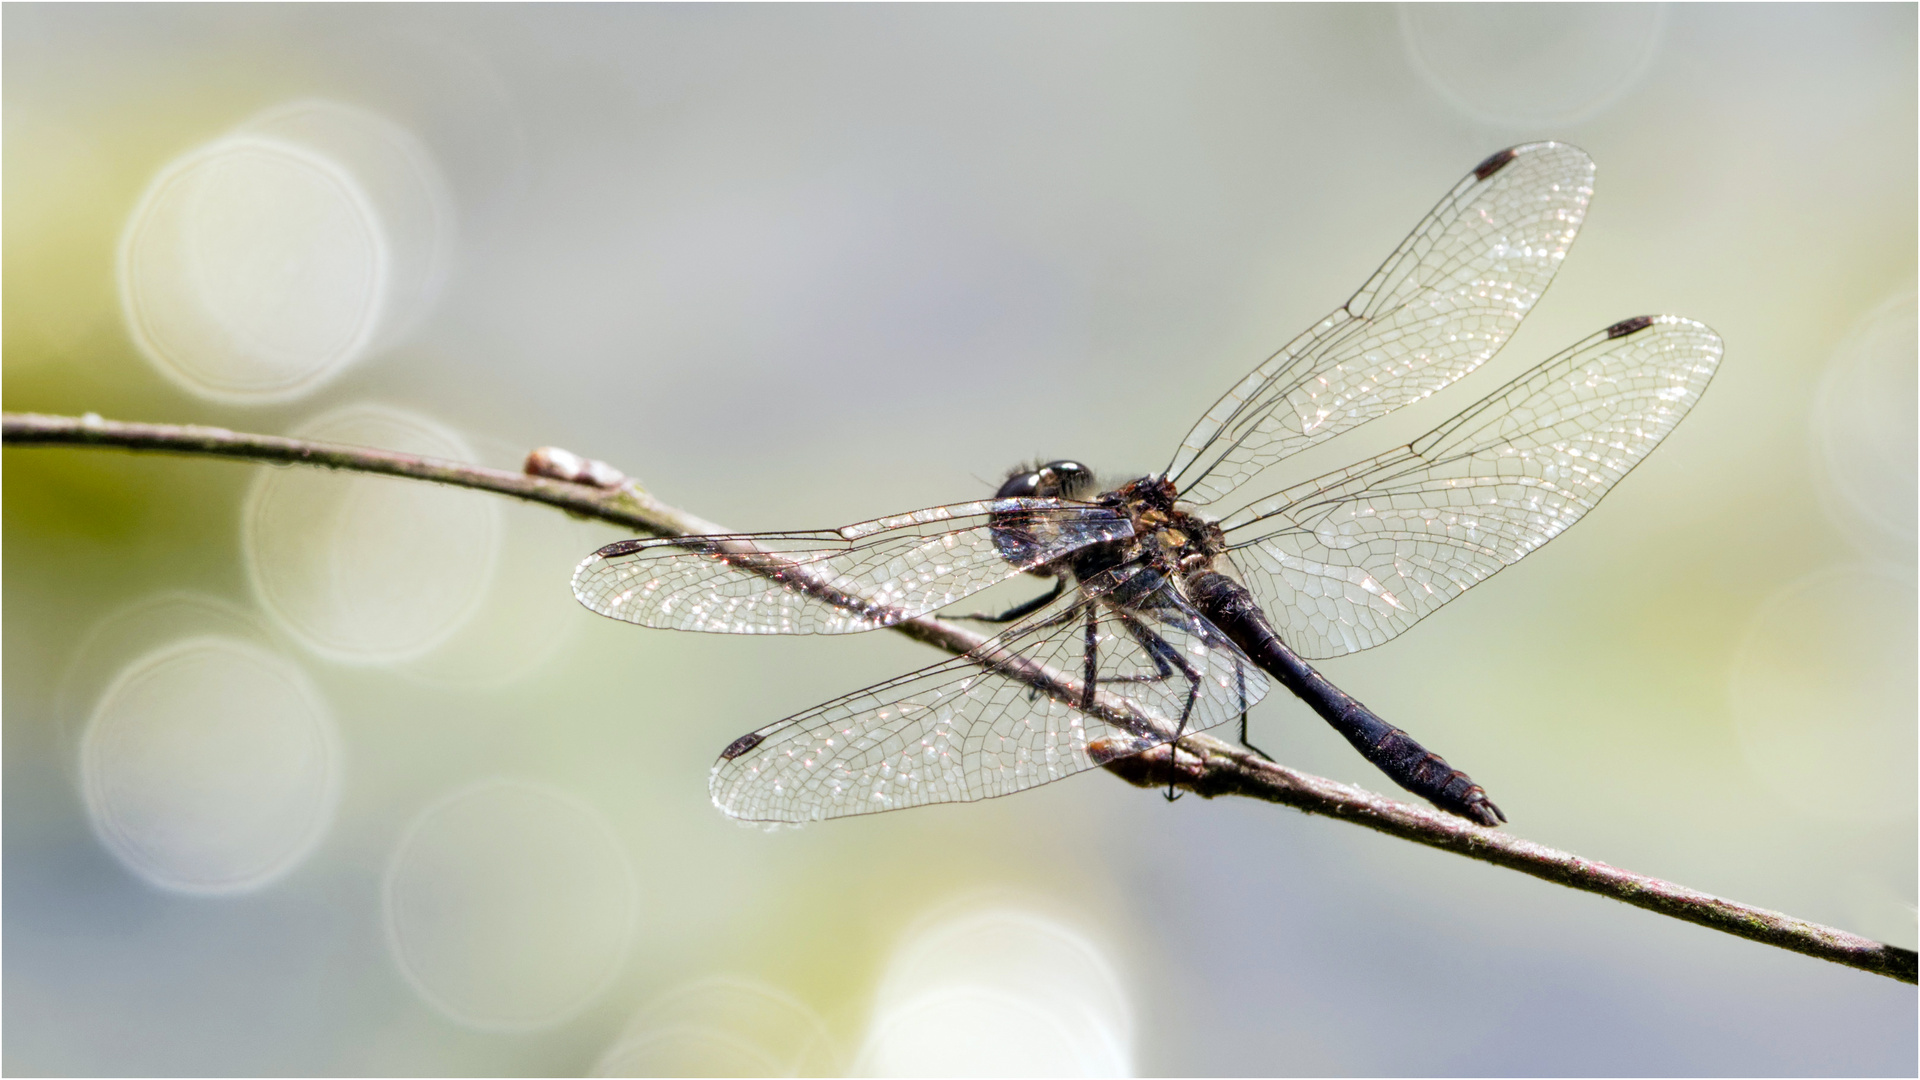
(1822, 691)
(370, 569)
(253, 269)
(210, 765)
(998, 992)
(722, 1026)
(1865, 428)
(509, 906)
(1531, 65)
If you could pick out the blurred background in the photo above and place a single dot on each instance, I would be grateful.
(308, 773)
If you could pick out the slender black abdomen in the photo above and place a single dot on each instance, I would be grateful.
(1395, 752)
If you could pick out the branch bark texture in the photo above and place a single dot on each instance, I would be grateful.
(1201, 764)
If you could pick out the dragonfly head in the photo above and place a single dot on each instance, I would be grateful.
(1061, 479)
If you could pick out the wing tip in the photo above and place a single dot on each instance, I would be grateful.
(579, 572)
(1500, 159)
(724, 799)
(617, 549)
(742, 744)
(1495, 162)
(1634, 325)
(1629, 326)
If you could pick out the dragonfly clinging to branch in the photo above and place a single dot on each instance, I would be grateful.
(1177, 596)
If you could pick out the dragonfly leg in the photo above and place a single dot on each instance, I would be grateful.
(1020, 610)
(1240, 674)
(1167, 659)
(1046, 624)
(1157, 650)
(1173, 747)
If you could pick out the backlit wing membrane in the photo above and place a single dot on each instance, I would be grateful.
(964, 730)
(835, 581)
(1352, 559)
(1442, 304)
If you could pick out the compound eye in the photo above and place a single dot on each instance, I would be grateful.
(1069, 478)
(1020, 486)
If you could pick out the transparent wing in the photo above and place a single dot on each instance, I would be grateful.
(1443, 303)
(837, 581)
(1007, 716)
(1348, 561)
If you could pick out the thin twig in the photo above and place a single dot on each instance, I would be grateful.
(1209, 767)
(626, 505)
(1203, 765)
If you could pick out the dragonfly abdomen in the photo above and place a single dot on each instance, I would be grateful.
(1233, 609)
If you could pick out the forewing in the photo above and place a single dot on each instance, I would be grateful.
(968, 728)
(1440, 306)
(1348, 561)
(840, 581)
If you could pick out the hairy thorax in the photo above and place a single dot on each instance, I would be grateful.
(1175, 542)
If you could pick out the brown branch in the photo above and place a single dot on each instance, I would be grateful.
(607, 496)
(1209, 767)
(1203, 765)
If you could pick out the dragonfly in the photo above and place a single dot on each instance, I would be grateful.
(1179, 597)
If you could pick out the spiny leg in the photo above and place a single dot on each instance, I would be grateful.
(1165, 656)
(1157, 650)
(1020, 610)
(1240, 676)
(1173, 747)
(1071, 612)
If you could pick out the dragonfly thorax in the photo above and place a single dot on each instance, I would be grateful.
(1173, 540)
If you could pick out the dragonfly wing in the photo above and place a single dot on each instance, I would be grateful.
(835, 581)
(1008, 716)
(1354, 558)
(1445, 301)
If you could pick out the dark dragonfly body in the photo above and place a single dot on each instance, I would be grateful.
(1178, 598)
(1421, 771)
(1182, 547)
